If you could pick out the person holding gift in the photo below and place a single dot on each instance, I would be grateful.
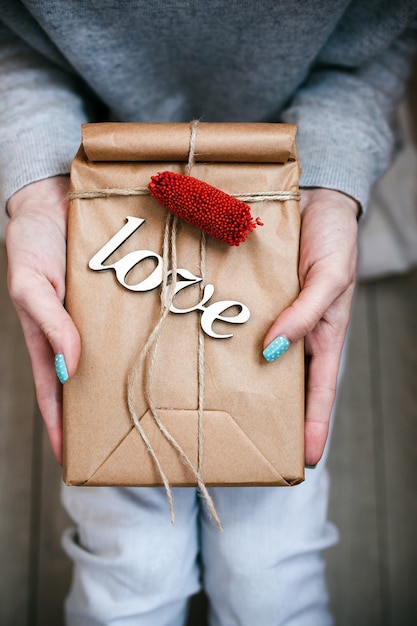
(337, 70)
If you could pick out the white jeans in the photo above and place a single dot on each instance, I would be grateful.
(133, 568)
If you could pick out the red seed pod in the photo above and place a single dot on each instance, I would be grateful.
(211, 210)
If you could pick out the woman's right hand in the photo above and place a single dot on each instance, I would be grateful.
(36, 248)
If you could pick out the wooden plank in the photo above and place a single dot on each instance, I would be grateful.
(397, 338)
(353, 565)
(16, 424)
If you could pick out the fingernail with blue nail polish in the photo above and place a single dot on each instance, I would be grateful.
(276, 348)
(61, 368)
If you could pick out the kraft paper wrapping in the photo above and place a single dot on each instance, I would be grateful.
(252, 425)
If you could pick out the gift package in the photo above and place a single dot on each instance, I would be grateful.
(172, 307)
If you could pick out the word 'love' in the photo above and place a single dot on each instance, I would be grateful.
(210, 312)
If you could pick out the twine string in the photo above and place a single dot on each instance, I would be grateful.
(191, 149)
(201, 362)
(254, 196)
(147, 356)
(201, 344)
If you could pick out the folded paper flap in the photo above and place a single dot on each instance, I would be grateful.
(221, 142)
(227, 451)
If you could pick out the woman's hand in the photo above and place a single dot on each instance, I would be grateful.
(327, 271)
(36, 248)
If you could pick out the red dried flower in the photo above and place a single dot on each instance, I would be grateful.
(211, 210)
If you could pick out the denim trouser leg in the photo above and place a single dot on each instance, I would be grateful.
(266, 568)
(133, 568)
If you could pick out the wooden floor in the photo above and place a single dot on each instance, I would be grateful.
(373, 461)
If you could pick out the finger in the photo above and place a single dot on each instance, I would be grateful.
(47, 386)
(324, 345)
(303, 315)
(49, 316)
(321, 394)
(49, 330)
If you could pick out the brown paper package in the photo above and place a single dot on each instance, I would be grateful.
(247, 428)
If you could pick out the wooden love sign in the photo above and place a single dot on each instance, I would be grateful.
(210, 312)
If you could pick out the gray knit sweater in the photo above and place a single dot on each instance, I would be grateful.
(335, 67)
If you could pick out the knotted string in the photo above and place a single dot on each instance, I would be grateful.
(147, 356)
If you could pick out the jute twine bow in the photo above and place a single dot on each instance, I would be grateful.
(148, 352)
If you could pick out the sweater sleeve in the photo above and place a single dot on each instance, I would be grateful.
(345, 108)
(41, 110)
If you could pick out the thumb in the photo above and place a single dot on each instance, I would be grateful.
(43, 314)
(297, 320)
